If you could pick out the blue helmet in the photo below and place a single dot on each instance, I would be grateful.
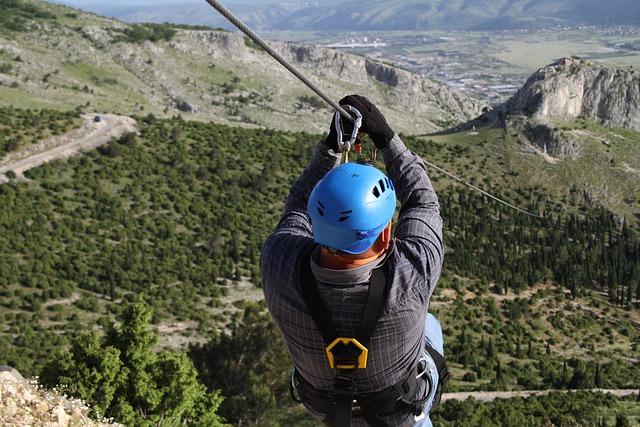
(350, 207)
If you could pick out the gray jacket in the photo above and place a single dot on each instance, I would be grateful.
(415, 263)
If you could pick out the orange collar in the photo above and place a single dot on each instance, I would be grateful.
(341, 262)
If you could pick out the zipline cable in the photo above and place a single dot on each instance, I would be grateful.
(480, 190)
(260, 42)
(263, 44)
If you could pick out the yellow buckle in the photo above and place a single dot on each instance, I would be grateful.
(362, 359)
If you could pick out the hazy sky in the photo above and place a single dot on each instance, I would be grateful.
(81, 3)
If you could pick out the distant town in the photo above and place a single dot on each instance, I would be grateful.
(491, 66)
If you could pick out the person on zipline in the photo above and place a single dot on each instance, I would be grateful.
(350, 299)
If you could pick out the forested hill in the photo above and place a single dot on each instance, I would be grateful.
(177, 215)
(52, 56)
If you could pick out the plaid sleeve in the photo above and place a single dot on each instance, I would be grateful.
(418, 233)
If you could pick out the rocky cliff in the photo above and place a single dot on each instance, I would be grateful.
(84, 60)
(572, 88)
(414, 103)
(545, 109)
(25, 403)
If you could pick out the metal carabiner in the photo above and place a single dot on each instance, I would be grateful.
(345, 147)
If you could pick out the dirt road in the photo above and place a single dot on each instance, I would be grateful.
(90, 135)
(489, 396)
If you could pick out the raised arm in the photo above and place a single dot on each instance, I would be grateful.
(293, 234)
(418, 234)
(419, 227)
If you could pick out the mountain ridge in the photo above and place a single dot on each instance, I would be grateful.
(81, 58)
(376, 15)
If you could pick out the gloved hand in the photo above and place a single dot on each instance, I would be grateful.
(373, 123)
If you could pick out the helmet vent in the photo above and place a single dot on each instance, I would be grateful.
(381, 182)
(344, 219)
(389, 183)
(376, 192)
(320, 208)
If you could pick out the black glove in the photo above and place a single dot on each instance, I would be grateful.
(373, 123)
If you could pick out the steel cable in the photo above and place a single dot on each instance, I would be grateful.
(263, 44)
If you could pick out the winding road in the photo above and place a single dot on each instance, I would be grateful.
(89, 136)
(489, 396)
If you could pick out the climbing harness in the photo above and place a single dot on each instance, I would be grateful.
(346, 355)
(260, 42)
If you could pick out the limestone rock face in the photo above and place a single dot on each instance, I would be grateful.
(572, 88)
(412, 98)
(416, 103)
(25, 403)
(561, 93)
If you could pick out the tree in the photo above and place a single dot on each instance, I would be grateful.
(622, 421)
(579, 379)
(123, 378)
(91, 371)
(250, 366)
(597, 378)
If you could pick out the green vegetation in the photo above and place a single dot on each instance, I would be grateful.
(502, 162)
(20, 128)
(125, 379)
(589, 251)
(199, 27)
(541, 339)
(16, 15)
(178, 214)
(559, 409)
(138, 33)
(247, 363)
(311, 101)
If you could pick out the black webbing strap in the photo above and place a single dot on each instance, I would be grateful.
(373, 308)
(443, 373)
(319, 312)
(343, 393)
(372, 406)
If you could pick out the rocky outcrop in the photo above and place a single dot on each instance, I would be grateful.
(563, 92)
(414, 97)
(25, 403)
(414, 103)
(572, 88)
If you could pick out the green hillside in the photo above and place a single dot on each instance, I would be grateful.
(178, 215)
(129, 275)
(607, 171)
(20, 128)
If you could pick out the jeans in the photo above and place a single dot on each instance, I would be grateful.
(432, 337)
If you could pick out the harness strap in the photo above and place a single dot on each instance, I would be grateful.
(370, 406)
(373, 309)
(443, 373)
(344, 354)
(319, 311)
